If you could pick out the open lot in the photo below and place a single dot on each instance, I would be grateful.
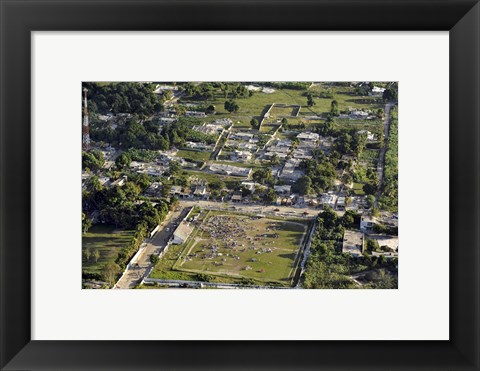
(236, 245)
(279, 111)
(108, 241)
(194, 155)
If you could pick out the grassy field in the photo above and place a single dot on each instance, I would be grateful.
(213, 177)
(236, 246)
(278, 111)
(108, 241)
(193, 155)
(256, 105)
(358, 189)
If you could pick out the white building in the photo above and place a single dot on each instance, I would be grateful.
(283, 189)
(242, 156)
(200, 191)
(182, 233)
(377, 90)
(230, 170)
(370, 136)
(242, 136)
(308, 137)
(367, 223)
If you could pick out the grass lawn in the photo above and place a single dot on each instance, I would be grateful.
(209, 177)
(108, 241)
(242, 246)
(358, 189)
(194, 155)
(256, 105)
(278, 112)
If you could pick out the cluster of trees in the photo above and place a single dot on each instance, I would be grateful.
(231, 106)
(328, 268)
(119, 206)
(310, 101)
(303, 185)
(349, 141)
(93, 160)
(321, 173)
(133, 133)
(264, 176)
(145, 134)
(364, 89)
(391, 92)
(123, 97)
(334, 108)
(389, 196)
(254, 124)
(208, 90)
(288, 85)
(142, 155)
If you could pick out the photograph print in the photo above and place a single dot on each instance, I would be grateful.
(239, 185)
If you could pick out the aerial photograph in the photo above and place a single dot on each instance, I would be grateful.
(239, 185)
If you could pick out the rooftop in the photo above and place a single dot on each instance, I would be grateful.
(352, 242)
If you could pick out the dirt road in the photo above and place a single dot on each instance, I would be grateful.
(381, 162)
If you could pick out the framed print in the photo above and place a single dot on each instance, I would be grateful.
(246, 173)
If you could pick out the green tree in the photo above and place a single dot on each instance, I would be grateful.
(370, 200)
(154, 259)
(216, 184)
(88, 253)
(173, 202)
(123, 161)
(334, 108)
(254, 123)
(391, 93)
(231, 106)
(93, 160)
(263, 176)
(310, 101)
(270, 195)
(174, 167)
(110, 271)
(302, 185)
(96, 255)
(369, 188)
(329, 217)
(86, 223)
(210, 109)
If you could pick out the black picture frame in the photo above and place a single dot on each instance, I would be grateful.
(18, 18)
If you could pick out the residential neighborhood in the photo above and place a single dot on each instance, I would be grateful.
(240, 185)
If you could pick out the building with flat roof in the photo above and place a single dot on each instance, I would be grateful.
(283, 189)
(231, 170)
(309, 137)
(182, 233)
(367, 223)
(353, 243)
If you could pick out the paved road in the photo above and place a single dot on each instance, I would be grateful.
(287, 211)
(381, 162)
(135, 273)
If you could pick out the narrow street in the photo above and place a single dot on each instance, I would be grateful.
(136, 271)
(381, 162)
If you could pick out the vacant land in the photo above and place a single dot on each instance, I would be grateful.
(358, 189)
(194, 155)
(279, 111)
(253, 247)
(108, 241)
